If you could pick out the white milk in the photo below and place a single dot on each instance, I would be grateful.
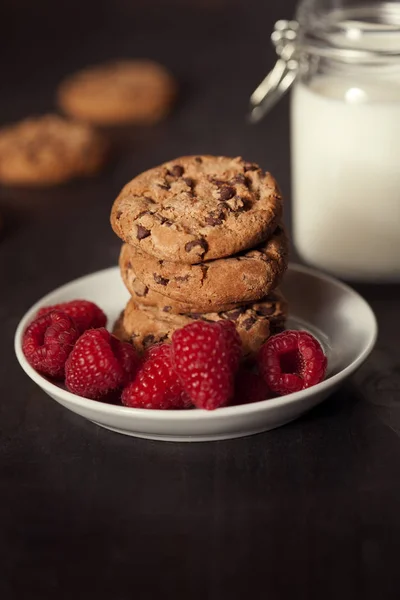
(346, 176)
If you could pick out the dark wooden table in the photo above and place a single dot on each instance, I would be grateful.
(308, 511)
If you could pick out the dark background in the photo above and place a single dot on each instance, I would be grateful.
(311, 510)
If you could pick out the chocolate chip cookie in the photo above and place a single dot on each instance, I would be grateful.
(246, 277)
(142, 294)
(49, 150)
(124, 91)
(145, 326)
(198, 208)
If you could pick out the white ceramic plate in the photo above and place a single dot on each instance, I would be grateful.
(333, 312)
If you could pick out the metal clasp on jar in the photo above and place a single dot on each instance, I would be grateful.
(279, 80)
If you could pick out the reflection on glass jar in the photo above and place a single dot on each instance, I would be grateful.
(345, 123)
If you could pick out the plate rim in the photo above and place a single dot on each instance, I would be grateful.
(199, 414)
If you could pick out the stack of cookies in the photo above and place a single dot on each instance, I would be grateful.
(203, 239)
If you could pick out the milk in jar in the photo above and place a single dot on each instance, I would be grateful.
(346, 177)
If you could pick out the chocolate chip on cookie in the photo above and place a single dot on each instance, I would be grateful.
(49, 150)
(226, 192)
(215, 217)
(124, 91)
(176, 171)
(214, 206)
(160, 280)
(192, 244)
(142, 232)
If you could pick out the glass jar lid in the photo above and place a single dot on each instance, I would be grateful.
(365, 34)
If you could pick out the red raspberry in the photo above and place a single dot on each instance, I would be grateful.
(127, 357)
(292, 361)
(86, 315)
(233, 341)
(48, 341)
(99, 364)
(205, 356)
(156, 385)
(250, 387)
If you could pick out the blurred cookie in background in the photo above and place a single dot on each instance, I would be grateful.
(48, 150)
(119, 92)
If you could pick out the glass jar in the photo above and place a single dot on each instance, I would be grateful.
(344, 61)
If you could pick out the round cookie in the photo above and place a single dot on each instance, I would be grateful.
(143, 295)
(246, 277)
(124, 91)
(198, 208)
(49, 150)
(145, 326)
